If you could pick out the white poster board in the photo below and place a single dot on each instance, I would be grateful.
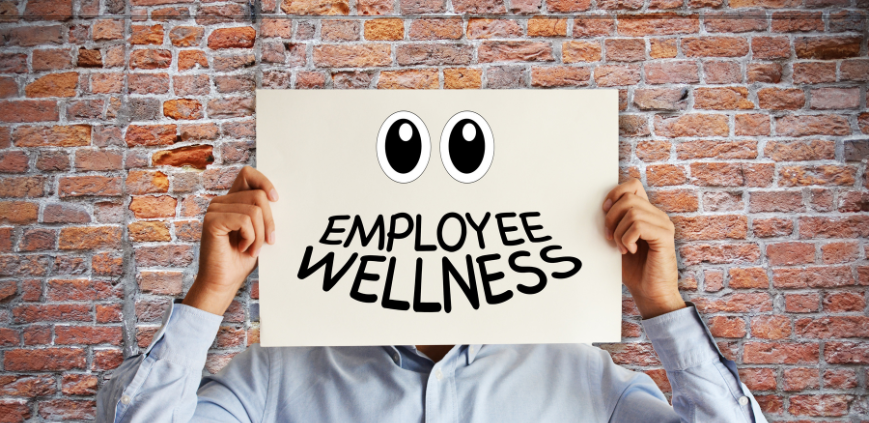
(345, 162)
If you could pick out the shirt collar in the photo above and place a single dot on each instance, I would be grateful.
(469, 351)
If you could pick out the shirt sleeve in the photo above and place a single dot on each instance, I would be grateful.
(160, 384)
(706, 386)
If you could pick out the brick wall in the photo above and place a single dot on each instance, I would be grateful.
(745, 118)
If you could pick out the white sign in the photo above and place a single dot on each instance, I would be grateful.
(439, 217)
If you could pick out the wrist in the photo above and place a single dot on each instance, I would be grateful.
(654, 307)
(208, 300)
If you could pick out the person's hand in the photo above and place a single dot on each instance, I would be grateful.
(645, 237)
(234, 229)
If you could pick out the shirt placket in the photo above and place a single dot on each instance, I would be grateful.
(440, 395)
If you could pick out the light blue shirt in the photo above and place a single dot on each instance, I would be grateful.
(472, 383)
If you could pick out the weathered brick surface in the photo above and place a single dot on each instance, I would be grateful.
(747, 123)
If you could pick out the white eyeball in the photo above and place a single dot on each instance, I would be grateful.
(403, 147)
(467, 147)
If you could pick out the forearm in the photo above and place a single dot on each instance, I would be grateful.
(706, 386)
(161, 384)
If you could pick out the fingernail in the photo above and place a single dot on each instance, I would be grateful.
(273, 195)
(609, 234)
(623, 250)
(607, 204)
(271, 237)
(256, 253)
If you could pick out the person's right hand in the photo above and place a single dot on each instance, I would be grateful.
(234, 229)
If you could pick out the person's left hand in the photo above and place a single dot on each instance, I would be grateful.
(645, 236)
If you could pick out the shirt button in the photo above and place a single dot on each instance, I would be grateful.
(743, 400)
(395, 358)
(439, 375)
(126, 400)
(471, 350)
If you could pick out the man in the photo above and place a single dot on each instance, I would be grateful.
(432, 383)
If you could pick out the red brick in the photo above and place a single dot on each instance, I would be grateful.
(79, 384)
(840, 379)
(663, 24)
(149, 232)
(107, 359)
(20, 111)
(840, 252)
(758, 379)
(752, 124)
(66, 409)
(192, 59)
(147, 182)
(52, 136)
(730, 98)
(47, 359)
(812, 277)
(89, 238)
(18, 212)
(150, 59)
(833, 327)
(625, 50)
(734, 23)
(81, 290)
(616, 75)
(692, 125)
(835, 98)
(814, 72)
(846, 352)
(37, 239)
(800, 126)
(800, 150)
(87, 335)
(817, 175)
(27, 386)
(409, 79)
(770, 48)
(819, 405)
(704, 228)
(781, 99)
(665, 175)
(839, 302)
(581, 51)
(559, 76)
(827, 48)
(748, 278)
(735, 303)
(776, 201)
(721, 201)
(780, 353)
(77, 186)
(769, 73)
(151, 135)
(515, 51)
(149, 207)
(824, 227)
(802, 303)
(771, 327)
(790, 253)
(722, 72)
(714, 47)
(727, 327)
(109, 313)
(800, 379)
(24, 186)
(739, 253)
(653, 151)
(230, 107)
(672, 72)
(182, 109)
(51, 59)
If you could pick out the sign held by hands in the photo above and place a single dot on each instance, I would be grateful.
(436, 217)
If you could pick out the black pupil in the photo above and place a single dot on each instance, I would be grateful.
(467, 155)
(402, 155)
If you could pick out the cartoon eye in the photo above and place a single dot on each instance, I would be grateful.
(403, 147)
(467, 147)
